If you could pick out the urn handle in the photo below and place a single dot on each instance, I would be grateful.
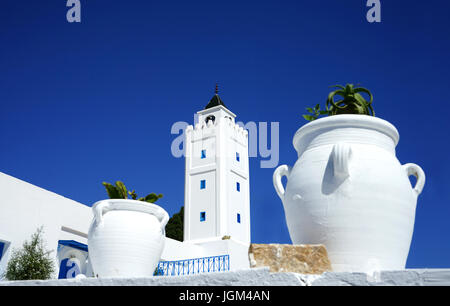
(413, 169)
(164, 223)
(161, 215)
(341, 155)
(281, 171)
(99, 209)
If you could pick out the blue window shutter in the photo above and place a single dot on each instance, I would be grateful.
(237, 156)
(238, 218)
(238, 186)
(202, 184)
(2, 246)
(202, 216)
(203, 154)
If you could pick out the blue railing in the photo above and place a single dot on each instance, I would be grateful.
(194, 266)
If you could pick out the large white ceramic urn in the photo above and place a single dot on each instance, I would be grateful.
(126, 238)
(348, 191)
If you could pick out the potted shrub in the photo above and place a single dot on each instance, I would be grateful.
(347, 189)
(126, 237)
(32, 261)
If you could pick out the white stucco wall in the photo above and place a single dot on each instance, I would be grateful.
(25, 207)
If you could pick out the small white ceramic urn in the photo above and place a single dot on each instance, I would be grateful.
(126, 238)
(348, 191)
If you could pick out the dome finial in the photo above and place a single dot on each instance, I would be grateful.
(216, 100)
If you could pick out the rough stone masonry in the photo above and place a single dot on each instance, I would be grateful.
(304, 259)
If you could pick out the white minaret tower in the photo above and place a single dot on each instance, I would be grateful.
(217, 198)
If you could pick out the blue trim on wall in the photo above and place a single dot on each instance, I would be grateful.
(74, 244)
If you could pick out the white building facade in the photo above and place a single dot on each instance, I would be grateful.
(24, 208)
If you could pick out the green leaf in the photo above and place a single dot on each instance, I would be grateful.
(133, 194)
(330, 99)
(112, 191)
(309, 109)
(337, 86)
(360, 99)
(152, 197)
(371, 109)
(122, 190)
(361, 89)
(309, 117)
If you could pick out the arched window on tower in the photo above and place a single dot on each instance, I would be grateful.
(210, 118)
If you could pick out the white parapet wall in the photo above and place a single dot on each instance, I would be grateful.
(262, 277)
(25, 207)
(237, 251)
(176, 250)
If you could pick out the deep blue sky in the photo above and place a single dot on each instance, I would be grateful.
(87, 102)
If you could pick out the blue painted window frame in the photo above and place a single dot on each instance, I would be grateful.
(203, 155)
(203, 184)
(238, 218)
(202, 216)
(74, 244)
(238, 158)
(238, 186)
